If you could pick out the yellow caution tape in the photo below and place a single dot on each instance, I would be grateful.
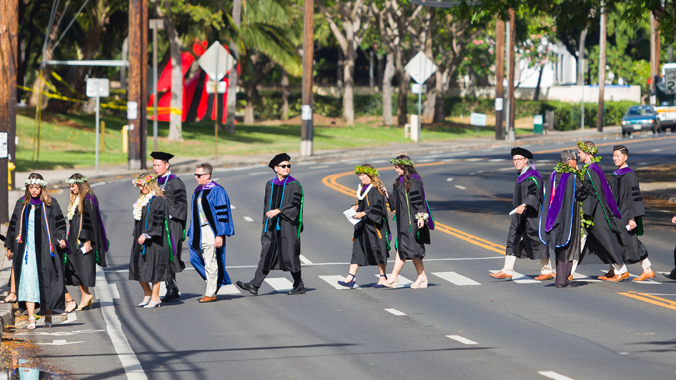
(58, 77)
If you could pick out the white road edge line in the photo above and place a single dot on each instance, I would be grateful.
(460, 187)
(248, 219)
(461, 339)
(395, 312)
(105, 293)
(554, 375)
(305, 260)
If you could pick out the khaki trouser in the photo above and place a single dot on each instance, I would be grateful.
(210, 262)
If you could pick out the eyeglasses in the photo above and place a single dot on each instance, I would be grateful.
(200, 175)
(285, 166)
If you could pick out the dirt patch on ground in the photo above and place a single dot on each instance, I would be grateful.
(56, 120)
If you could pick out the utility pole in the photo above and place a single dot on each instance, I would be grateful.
(306, 131)
(499, 78)
(232, 78)
(512, 45)
(654, 58)
(138, 63)
(155, 24)
(602, 67)
(9, 15)
(581, 72)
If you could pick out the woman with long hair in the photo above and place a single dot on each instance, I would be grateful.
(414, 221)
(36, 229)
(151, 250)
(87, 241)
(370, 240)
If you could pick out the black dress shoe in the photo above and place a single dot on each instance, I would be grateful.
(671, 276)
(298, 290)
(246, 286)
(171, 296)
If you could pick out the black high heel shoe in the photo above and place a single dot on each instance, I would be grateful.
(6, 300)
(350, 284)
(378, 286)
(66, 312)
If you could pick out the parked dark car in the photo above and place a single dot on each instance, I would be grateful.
(641, 118)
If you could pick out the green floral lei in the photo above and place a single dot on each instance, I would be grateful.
(585, 221)
(586, 148)
(371, 172)
(401, 161)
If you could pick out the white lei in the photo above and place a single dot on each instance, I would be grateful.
(361, 196)
(141, 203)
(73, 207)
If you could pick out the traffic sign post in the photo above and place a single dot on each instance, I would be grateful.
(97, 88)
(420, 68)
(216, 61)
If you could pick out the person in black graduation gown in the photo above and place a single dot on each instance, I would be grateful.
(522, 238)
(559, 226)
(37, 254)
(282, 225)
(87, 241)
(603, 243)
(151, 250)
(177, 199)
(370, 241)
(624, 185)
(672, 275)
(414, 221)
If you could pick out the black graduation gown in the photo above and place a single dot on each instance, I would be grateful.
(281, 248)
(177, 200)
(523, 230)
(50, 269)
(627, 194)
(563, 239)
(81, 268)
(410, 243)
(604, 244)
(153, 264)
(370, 245)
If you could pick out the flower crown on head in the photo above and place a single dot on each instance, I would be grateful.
(34, 181)
(72, 181)
(581, 145)
(401, 161)
(144, 180)
(371, 172)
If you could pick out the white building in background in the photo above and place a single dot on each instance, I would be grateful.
(561, 72)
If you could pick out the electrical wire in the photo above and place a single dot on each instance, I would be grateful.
(69, 25)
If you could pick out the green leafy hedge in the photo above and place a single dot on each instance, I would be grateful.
(566, 115)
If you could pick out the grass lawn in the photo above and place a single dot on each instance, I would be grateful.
(68, 141)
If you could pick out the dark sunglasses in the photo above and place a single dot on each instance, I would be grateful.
(199, 175)
(285, 166)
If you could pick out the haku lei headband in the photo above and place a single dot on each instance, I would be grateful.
(581, 145)
(401, 161)
(72, 181)
(35, 181)
(371, 172)
(144, 180)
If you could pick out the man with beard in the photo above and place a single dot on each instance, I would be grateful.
(560, 227)
(522, 239)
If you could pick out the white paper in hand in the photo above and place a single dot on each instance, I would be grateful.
(628, 227)
(513, 211)
(349, 213)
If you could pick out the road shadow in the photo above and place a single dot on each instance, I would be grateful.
(486, 205)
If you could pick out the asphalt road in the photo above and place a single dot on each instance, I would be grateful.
(466, 325)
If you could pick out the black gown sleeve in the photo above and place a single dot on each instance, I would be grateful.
(88, 219)
(415, 197)
(177, 199)
(13, 228)
(375, 206)
(156, 214)
(533, 196)
(60, 226)
(291, 204)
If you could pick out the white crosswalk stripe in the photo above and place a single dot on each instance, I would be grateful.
(582, 277)
(333, 281)
(403, 281)
(520, 278)
(461, 339)
(395, 312)
(456, 278)
(280, 284)
(229, 290)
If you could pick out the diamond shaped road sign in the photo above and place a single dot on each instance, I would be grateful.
(216, 61)
(420, 68)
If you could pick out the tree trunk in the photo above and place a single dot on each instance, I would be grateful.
(232, 78)
(387, 77)
(39, 85)
(580, 58)
(251, 99)
(348, 86)
(380, 72)
(340, 69)
(536, 95)
(442, 83)
(402, 100)
(123, 70)
(429, 105)
(285, 95)
(176, 115)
